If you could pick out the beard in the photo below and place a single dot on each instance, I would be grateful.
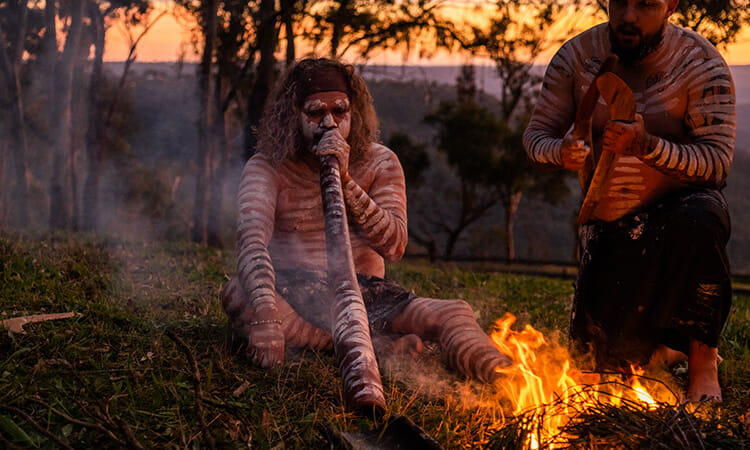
(636, 54)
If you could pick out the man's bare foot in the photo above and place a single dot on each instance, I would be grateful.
(703, 373)
(409, 344)
(665, 357)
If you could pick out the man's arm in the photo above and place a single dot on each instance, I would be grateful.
(257, 313)
(379, 215)
(712, 121)
(553, 114)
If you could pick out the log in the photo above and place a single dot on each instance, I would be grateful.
(360, 375)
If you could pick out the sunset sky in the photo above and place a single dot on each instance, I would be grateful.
(168, 38)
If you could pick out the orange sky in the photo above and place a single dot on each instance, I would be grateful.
(167, 38)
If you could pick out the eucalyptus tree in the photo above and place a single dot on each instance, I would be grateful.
(518, 34)
(18, 27)
(100, 107)
(469, 136)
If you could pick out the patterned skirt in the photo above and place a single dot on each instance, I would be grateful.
(309, 295)
(657, 277)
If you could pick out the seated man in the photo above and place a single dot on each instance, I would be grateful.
(654, 280)
(279, 298)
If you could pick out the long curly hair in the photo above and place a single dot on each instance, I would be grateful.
(279, 132)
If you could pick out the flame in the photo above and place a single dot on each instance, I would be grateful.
(544, 378)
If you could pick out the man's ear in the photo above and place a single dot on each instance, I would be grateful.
(672, 7)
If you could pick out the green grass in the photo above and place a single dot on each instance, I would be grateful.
(121, 375)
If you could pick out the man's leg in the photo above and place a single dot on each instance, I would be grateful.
(451, 323)
(696, 308)
(665, 357)
(703, 373)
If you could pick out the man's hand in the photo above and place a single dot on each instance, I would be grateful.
(574, 152)
(627, 138)
(265, 345)
(333, 143)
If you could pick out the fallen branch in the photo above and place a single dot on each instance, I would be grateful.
(16, 324)
(196, 386)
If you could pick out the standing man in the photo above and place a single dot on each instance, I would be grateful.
(654, 280)
(279, 297)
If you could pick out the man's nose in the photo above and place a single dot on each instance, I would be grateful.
(630, 14)
(328, 122)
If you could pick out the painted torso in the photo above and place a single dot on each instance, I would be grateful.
(683, 91)
(284, 205)
(299, 234)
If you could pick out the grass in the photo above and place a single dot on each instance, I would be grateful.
(148, 363)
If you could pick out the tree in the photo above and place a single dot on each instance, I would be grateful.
(468, 135)
(518, 33)
(13, 36)
(101, 108)
(487, 155)
(413, 157)
(362, 26)
(59, 82)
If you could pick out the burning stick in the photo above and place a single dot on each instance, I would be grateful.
(360, 376)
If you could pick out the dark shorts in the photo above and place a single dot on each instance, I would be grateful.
(309, 295)
(657, 277)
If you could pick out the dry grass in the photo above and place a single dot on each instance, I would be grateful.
(149, 364)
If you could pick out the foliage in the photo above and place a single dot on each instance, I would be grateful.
(122, 374)
(356, 29)
(413, 157)
(486, 152)
(518, 32)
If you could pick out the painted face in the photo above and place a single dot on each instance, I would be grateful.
(325, 110)
(637, 26)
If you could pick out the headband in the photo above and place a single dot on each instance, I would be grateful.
(324, 80)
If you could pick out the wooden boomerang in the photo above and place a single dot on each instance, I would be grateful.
(582, 125)
(621, 105)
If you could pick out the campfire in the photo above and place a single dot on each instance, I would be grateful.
(548, 395)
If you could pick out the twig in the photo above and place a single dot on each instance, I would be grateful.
(15, 325)
(79, 422)
(101, 411)
(30, 420)
(129, 435)
(196, 386)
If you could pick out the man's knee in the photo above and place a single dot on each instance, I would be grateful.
(693, 224)
(428, 316)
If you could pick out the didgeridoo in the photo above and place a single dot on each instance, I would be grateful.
(360, 376)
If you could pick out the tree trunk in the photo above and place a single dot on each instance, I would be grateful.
(511, 208)
(268, 34)
(287, 11)
(205, 142)
(62, 196)
(95, 131)
(4, 175)
(217, 164)
(10, 65)
(339, 20)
